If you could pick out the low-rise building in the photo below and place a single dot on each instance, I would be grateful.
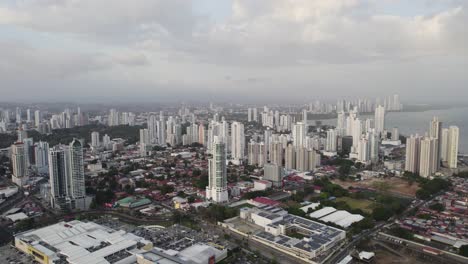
(79, 242)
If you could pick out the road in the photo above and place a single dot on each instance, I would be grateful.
(368, 233)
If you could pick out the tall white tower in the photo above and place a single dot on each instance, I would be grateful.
(95, 139)
(412, 153)
(19, 161)
(331, 140)
(237, 141)
(379, 119)
(77, 183)
(452, 147)
(299, 133)
(217, 180)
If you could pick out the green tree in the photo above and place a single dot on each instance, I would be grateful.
(464, 250)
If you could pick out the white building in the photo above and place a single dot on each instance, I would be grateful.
(299, 133)
(412, 153)
(95, 139)
(20, 165)
(217, 180)
(80, 243)
(379, 119)
(427, 157)
(331, 140)
(237, 141)
(452, 147)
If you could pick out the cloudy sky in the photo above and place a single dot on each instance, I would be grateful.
(280, 50)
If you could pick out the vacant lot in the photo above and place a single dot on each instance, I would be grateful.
(364, 205)
(397, 186)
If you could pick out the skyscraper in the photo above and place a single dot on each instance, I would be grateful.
(427, 157)
(77, 183)
(452, 147)
(237, 141)
(37, 118)
(59, 177)
(435, 131)
(331, 140)
(153, 129)
(273, 173)
(95, 139)
(41, 156)
(412, 154)
(19, 161)
(290, 157)
(379, 119)
(217, 180)
(299, 133)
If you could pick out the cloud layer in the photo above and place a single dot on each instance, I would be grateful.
(269, 49)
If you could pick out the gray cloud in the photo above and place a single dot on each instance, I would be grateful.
(265, 46)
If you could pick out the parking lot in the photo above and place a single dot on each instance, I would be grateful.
(10, 255)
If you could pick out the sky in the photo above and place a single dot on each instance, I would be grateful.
(233, 50)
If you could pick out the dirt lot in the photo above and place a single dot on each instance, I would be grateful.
(384, 257)
(397, 185)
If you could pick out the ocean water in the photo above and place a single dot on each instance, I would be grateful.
(418, 122)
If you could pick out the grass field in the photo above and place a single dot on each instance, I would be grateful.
(364, 205)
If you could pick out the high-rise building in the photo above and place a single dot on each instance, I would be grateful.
(19, 161)
(253, 153)
(452, 147)
(273, 173)
(444, 145)
(41, 150)
(59, 177)
(95, 139)
(412, 154)
(395, 134)
(427, 156)
(66, 175)
(290, 157)
(77, 183)
(331, 140)
(153, 129)
(237, 141)
(276, 153)
(217, 180)
(37, 118)
(341, 124)
(106, 142)
(299, 133)
(435, 131)
(379, 120)
(302, 159)
(144, 136)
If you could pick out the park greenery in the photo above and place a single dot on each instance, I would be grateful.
(66, 135)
